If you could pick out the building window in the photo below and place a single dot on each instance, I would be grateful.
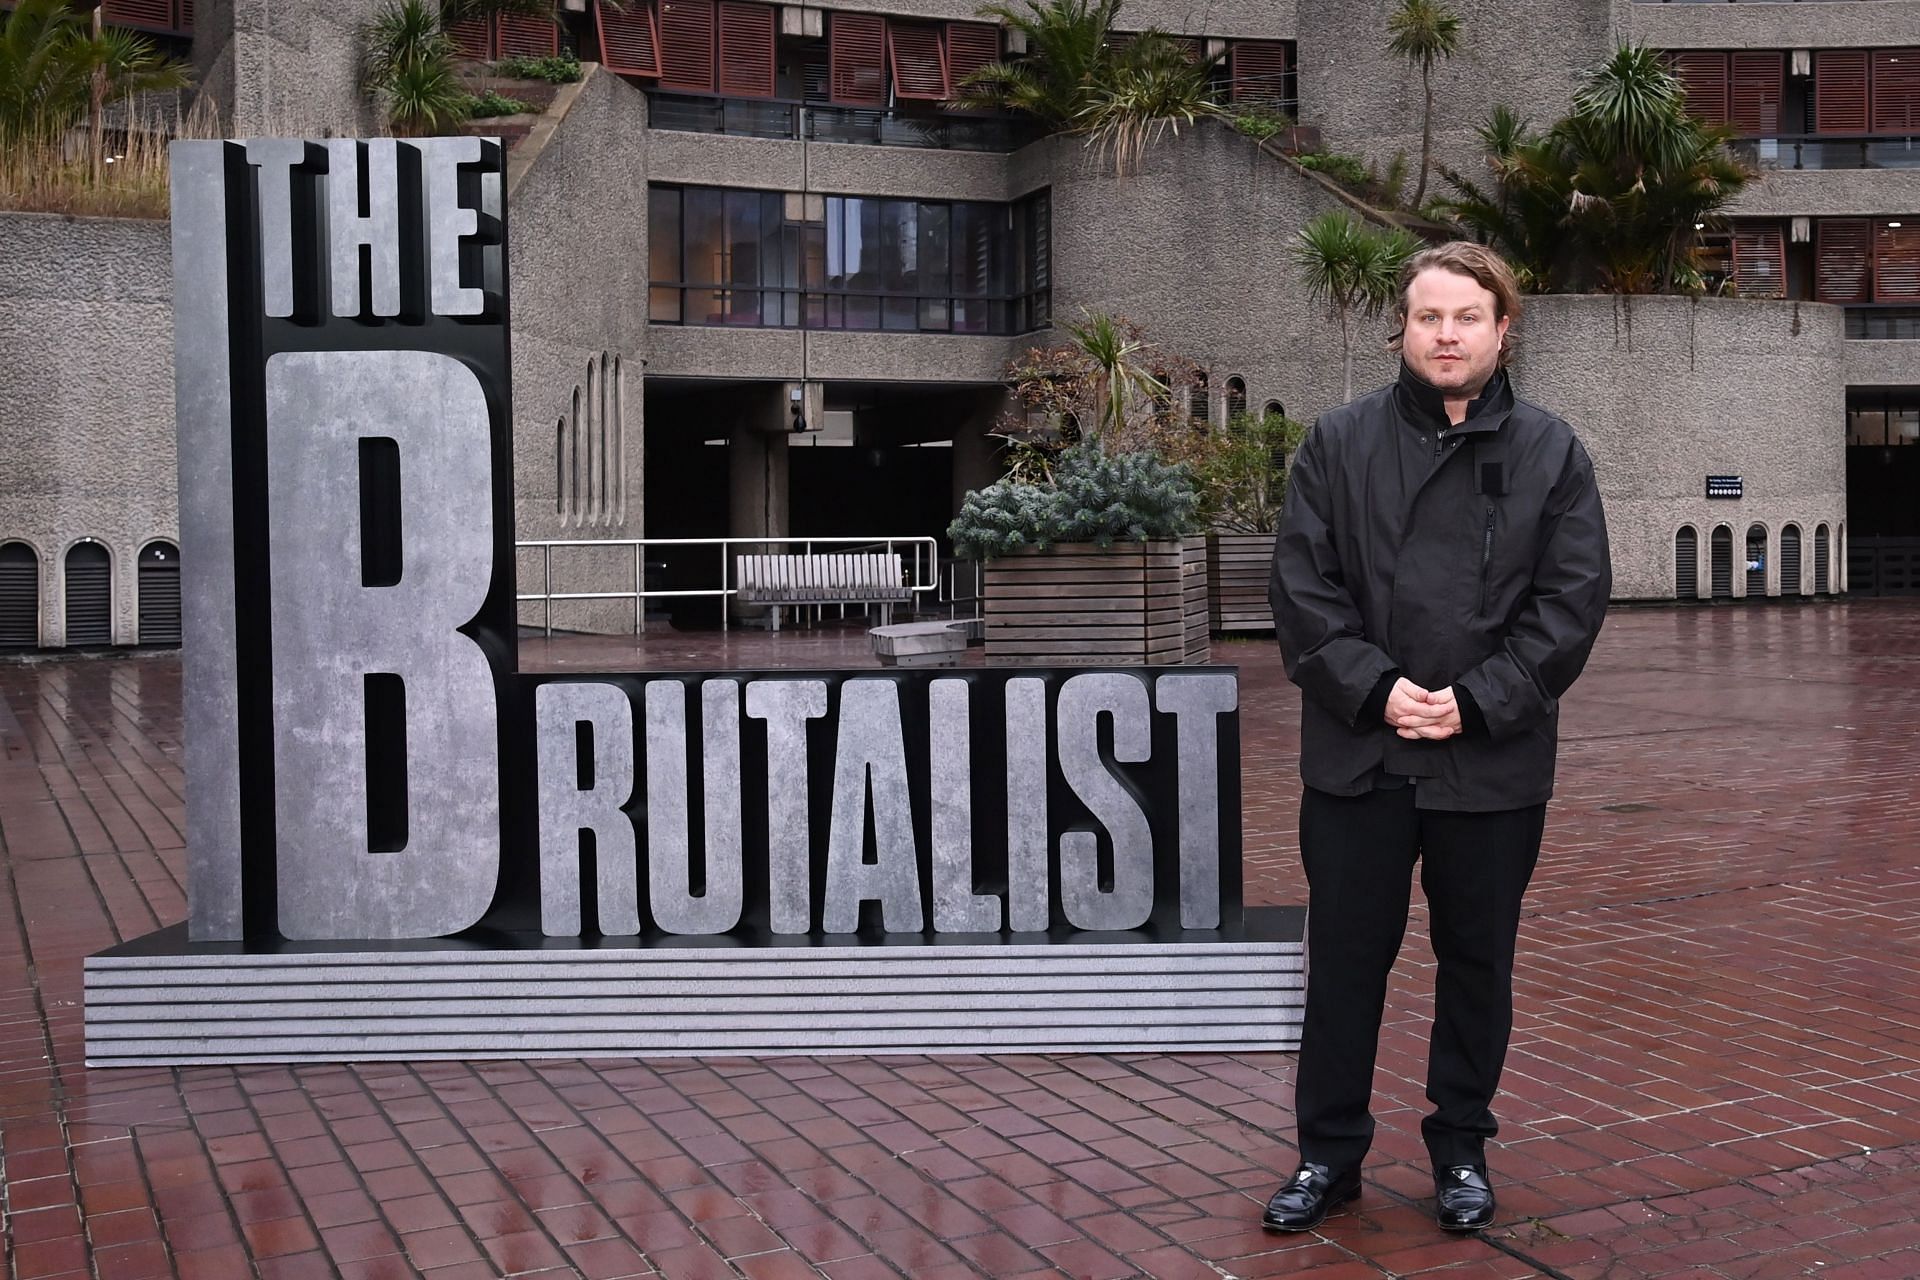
(1756, 562)
(771, 259)
(1198, 407)
(1236, 398)
(159, 583)
(1822, 560)
(19, 596)
(1686, 563)
(89, 583)
(1720, 562)
(1878, 419)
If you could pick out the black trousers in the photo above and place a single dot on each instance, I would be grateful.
(1359, 853)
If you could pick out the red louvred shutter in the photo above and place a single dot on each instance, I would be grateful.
(856, 57)
(156, 15)
(1896, 90)
(1256, 69)
(1704, 77)
(183, 16)
(970, 46)
(1190, 45)
(1840, 90)
(525, 37)
(630, 41)
(1759, 84)
(472, 38)
(1896, 262)
(1760, 262)
(686, 45)
(919, 62)
(1843, 261)
(746, 49)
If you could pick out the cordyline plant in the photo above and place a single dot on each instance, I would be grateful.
(1614, 196)
(1121, 92)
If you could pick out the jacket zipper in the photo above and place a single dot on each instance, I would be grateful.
(1486, 558)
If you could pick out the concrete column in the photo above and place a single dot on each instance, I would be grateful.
(976, 455)
(756, 420)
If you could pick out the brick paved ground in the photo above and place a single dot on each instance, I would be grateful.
(1716, 1069)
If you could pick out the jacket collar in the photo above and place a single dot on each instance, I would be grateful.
(1422, 404)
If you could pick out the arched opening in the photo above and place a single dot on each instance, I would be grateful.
(1822, 561)
(19, 596)
(1197, 406)
(1273, 409)
(159, 577)
(1236, 397)
(1721, 562)
(560, 467)
(1756, 560)
(1790, 560)
(1686, 563)
(89, 576)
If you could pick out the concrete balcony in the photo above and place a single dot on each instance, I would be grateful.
(1773, 24)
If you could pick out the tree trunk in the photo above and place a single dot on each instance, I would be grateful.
(97, 97)
(1346, 358)
(1426, 137)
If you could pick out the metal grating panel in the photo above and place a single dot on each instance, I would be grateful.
(1756, 584)
(19, 596)
(1721, 562)
(1686, 564)
(160, 594)
(89, 595)
(161, 999)
(1790, 560)
(1822, 556)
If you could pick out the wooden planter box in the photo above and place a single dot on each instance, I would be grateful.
(1238, 568)
(1078, 605)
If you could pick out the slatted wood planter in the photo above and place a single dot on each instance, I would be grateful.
(1238, 568)
(1079, 605)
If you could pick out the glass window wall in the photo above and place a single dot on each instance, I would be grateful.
(785, 260)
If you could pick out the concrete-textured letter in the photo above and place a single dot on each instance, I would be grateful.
(872, 748)
(331, 632)
(676, 908)
(568, 807)
(1129, 903)
(786, 706)
(956, 907)
(1196, 701)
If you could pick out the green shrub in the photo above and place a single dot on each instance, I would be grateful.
(1259, 121)
(1347, 170)
(1092, 497)
(563, 69)
(491, 104)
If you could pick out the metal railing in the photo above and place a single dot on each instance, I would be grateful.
(924, 566)
(1830, 151)
(783, 118)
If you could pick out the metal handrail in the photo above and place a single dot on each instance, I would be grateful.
(925, 569)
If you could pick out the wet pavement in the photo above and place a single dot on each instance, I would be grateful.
(1715, 1071)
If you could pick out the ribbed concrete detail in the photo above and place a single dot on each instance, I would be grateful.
(162, 1001)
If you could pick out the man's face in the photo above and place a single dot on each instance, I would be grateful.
(1452, 338)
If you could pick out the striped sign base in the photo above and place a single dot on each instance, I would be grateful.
(161, 1000)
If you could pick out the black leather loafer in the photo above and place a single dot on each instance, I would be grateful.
(1306, 1199)
(1462, 1200)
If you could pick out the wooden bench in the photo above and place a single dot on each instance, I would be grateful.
(822, 577)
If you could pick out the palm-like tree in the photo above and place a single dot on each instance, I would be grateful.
(1122, 376)
(1524, 213)
(1423, 32)
(408, 66)
(1354, 271)
(1077, 77)
(56, 70)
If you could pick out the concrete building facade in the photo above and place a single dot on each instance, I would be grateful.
(651, 401)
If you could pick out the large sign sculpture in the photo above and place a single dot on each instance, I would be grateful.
(399, 846)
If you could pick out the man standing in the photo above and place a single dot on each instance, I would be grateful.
(1440, 576)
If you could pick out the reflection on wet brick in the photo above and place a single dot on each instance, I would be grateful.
(1716, 1064)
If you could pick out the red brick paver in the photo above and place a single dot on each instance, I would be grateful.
(1716, 1067)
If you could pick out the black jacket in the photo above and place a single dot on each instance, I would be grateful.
(1472, 556)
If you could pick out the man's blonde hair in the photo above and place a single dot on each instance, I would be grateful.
(1479, 264)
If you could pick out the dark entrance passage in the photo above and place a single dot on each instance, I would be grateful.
(1883, 474)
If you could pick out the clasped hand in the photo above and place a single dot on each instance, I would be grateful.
(1422, 713)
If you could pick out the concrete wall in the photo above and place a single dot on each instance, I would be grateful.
(1811, 24)
(1832, 193)
(833, 168)
(1368, 101)
(86, 398)
(286, 68)
(578, 266)
(1667, 391)
(1198, 250)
